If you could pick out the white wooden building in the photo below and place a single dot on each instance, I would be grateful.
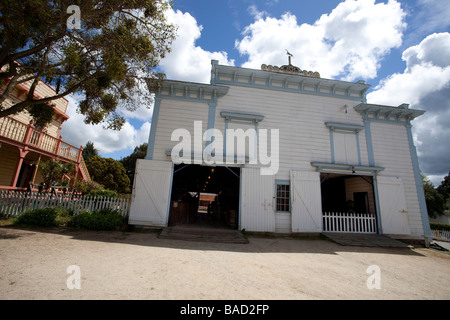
(339, 164)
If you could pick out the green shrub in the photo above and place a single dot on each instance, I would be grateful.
(63, 217)
(103, 193)
(104, 219)
(86, 187)
(44, 217)
(439, 226)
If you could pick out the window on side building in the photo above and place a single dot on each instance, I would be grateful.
(283, 196)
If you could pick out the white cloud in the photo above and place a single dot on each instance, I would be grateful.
(348, 43)
(188, 62)
(77, 133)
(425, 84)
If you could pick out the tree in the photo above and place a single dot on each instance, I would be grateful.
(434, 200)
(444, 187)
(89, 151)
(109, 173)
(129, 162)
(107, 58)
(54, 171)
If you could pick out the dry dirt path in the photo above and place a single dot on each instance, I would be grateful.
(116, 265)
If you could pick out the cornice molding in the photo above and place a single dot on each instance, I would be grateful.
(287, 82)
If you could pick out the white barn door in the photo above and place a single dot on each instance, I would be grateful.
(257, 192)
(391, 196)
(151, 191)
(306, 202)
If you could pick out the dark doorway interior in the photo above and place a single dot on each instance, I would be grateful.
(25, 174)
(333, 195)
(205, 195)
(361, 202)
(346, 193)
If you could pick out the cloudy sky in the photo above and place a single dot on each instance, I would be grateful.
(400, 47)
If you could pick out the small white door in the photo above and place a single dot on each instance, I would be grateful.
(151, 192)
(391, 196)
(306, 208)
(345, 150)
(257, 191)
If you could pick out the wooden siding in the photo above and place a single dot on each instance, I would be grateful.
(24, 116)
(8, 159)
(391, 151)
(283, 222)
(357, 184)
(177, 114)
(303, 134)
(300, 119)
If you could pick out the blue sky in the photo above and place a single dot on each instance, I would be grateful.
(401, 48)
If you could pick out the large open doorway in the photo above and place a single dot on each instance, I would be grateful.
(203, 195)
(348, 203)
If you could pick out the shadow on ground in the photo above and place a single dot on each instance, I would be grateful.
(256, 243)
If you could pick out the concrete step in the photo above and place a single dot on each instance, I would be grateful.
(203, 234)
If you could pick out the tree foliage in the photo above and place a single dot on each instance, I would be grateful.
(109, 173)
(89, 151)
(444, 187)
(53, 171)
(118, 46)
(129, 162)
(434, 200)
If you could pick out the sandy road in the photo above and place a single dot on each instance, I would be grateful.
(116, 265)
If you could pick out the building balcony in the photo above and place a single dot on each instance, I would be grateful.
(27, 138)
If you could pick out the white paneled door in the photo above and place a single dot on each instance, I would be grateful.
(151, 192)
(391, 195)
(257, 192)
(306, 202)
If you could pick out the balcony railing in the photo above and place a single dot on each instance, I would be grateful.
(27, 135)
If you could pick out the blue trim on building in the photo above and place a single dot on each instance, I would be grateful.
(152, 136)
(419, 185)
(211, 119)
(287, 82)
(369, 142)
(269, 86)
(358, 148)
(343, 126)
(241, 116)
(346, 129)
(332, 146)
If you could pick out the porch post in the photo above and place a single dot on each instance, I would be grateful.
(58, 147)
(22, 153)
(26, 139)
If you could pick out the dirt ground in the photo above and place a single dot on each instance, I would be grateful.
(116, 265)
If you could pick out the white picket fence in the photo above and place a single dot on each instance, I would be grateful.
(349, 222)
(440, 234)
(14, 203)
